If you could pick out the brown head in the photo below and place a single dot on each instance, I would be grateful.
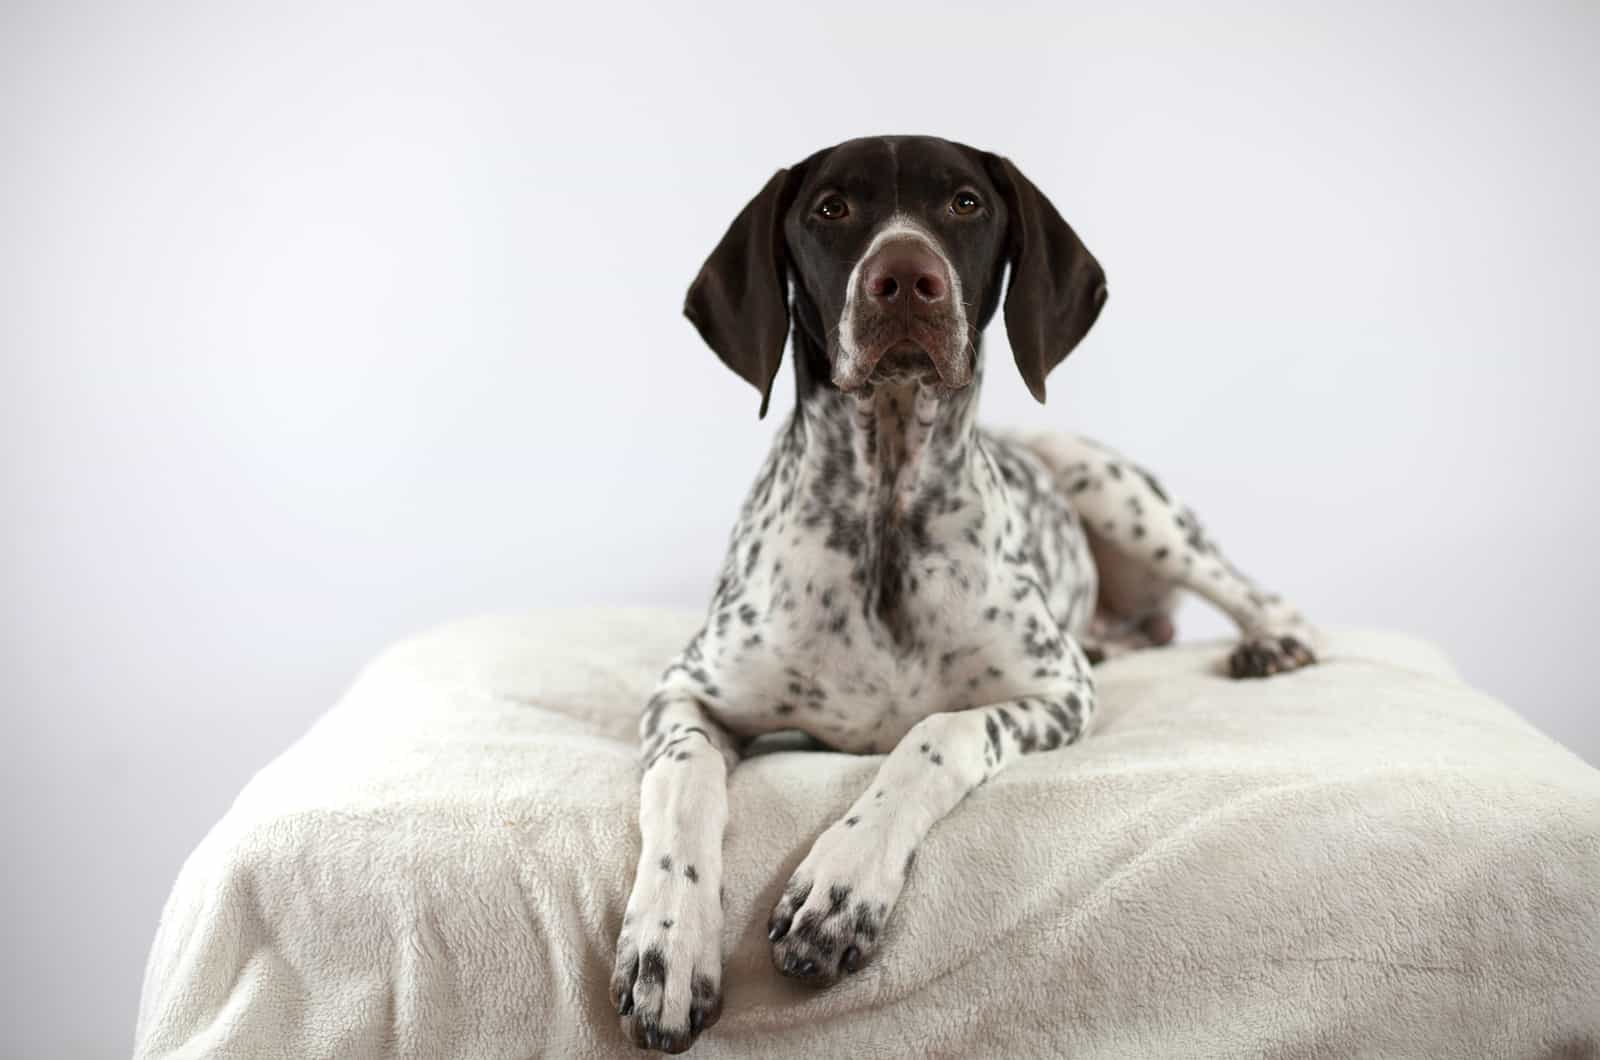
(887, 256)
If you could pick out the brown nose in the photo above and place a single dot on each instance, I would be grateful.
(906, 269)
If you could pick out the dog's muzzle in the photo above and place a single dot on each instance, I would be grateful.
(904, 318)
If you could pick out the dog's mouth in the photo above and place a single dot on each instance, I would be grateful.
(905, 355)
(905, 361)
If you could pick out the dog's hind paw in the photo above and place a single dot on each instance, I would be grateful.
(1264, 656)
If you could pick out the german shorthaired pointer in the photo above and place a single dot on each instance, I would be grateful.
(900, 582)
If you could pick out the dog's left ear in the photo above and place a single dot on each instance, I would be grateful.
(1056, 287)
(740, 301)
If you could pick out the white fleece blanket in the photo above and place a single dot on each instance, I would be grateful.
(1366, 858)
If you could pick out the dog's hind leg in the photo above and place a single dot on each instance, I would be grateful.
(667, 983)
(1147, 545)
(1134, 606)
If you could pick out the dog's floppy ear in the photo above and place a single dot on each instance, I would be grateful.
(740, 301)
(1056, 287)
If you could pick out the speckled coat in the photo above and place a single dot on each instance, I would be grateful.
(898, 582)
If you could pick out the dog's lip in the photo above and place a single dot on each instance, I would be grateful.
(909, 352)
(906, 358)
(904, 354)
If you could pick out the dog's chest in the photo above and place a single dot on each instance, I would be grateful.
(854, 625)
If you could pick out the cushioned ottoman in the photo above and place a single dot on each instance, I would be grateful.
(1366, 858)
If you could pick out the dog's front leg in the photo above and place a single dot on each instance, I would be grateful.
(831, 916)
(667, 984)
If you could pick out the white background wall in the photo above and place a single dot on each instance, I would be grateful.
(321, 325)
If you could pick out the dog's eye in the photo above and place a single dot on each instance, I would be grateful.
(964, 203)
(832, 208)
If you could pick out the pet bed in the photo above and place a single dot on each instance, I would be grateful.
(1365, 858)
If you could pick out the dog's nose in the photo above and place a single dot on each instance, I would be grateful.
(906, 268)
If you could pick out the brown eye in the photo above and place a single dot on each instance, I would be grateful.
(964, 203)
(832, 208)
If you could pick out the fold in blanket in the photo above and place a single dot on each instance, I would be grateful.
(1366, 858)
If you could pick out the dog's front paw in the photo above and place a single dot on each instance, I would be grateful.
(667, 984)
(831, 916)
(1263, 656)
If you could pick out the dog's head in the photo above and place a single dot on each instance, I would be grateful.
(895, 247)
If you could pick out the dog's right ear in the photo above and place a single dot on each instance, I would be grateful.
(740, 301)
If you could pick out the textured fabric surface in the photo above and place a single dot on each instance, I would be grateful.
(1367, 858)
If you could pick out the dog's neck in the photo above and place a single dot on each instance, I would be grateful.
(903, 443)
(877, 468)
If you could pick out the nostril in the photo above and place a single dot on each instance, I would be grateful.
(929, 287)
(885, 287)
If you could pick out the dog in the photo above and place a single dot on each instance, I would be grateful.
(899, 581)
